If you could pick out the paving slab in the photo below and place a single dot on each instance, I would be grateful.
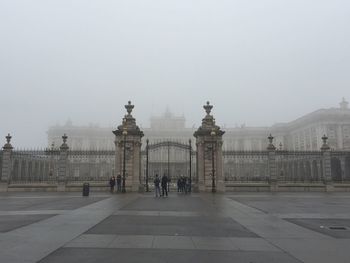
(11, 222)
(97, 241)
(171, 226)
(315, 250)
(213, 243)
(282, 203)
(173, 242)
(132, 241)
(46, 202)
(253, 244)
(335, 227)
(171, 203)
(90, 255)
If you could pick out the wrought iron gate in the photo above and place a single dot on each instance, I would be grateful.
(171, 158)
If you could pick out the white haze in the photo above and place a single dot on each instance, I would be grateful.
(258, 61)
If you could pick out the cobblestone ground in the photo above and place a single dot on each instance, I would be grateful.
(241, 227)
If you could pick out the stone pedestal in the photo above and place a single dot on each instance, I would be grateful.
(272, 168)
(327, 172)
(128, 152)
(62, 165)
(6, 164)
(209, 154)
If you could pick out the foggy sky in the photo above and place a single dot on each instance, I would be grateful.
(258, 61)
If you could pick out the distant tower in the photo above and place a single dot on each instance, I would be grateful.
(344, 104)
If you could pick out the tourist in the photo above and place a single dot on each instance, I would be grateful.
(112, 184)
(156, 185)
(178, 185)
(119, 183)
(164, 185)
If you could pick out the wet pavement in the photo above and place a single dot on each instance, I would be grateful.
(241, 227)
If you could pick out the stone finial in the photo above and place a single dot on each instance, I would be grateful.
(208, 108)
(129, 107)
(8, 138)
(271, 146)
(64, 145)
(64, 137)
(8, 145)
(325, 145)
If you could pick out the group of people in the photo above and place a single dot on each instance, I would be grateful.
(114, 181)
(183, 185)
(163, 182)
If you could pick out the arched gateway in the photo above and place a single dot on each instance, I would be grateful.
(171, 158)
(137, 168)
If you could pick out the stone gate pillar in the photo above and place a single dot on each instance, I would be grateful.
(209, 154)
(6, 164)
(62, 165)
(327, 172)
(272, 167)
(128, 152)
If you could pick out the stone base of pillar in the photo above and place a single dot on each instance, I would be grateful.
(274, 187)
(329, 188)
(61, 187)
(202, 188)
(195, 188)
(3, 187)
(220, 188)
(141, 189)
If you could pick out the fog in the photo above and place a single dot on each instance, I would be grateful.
(258, 62)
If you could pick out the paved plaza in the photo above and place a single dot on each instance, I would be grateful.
(239, 227)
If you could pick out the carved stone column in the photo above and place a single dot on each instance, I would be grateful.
(209, 154)
(128, 152)
(272, 165)
(327, 172)
(63, 165)
(6, 164)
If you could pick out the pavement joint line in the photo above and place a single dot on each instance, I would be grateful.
(160, 213)
(52, 196)
(34, 212)
(312, 215)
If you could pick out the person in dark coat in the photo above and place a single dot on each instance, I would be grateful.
(112, 184)
(119, 183)
(179, 185)
(164, 185)
(156, 185)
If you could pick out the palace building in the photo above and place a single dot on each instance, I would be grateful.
(302, 134)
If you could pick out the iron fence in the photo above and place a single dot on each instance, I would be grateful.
(34, 166)
(244, 166)
(97, 166)
(299, 166)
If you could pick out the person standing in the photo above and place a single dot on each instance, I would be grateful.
(112, 184)
(164, 185)
(119, 183)
(156, 185)
(179, 185)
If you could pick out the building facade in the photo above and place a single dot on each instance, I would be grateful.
(302, 134)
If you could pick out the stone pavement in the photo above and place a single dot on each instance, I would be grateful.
(241, 227)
